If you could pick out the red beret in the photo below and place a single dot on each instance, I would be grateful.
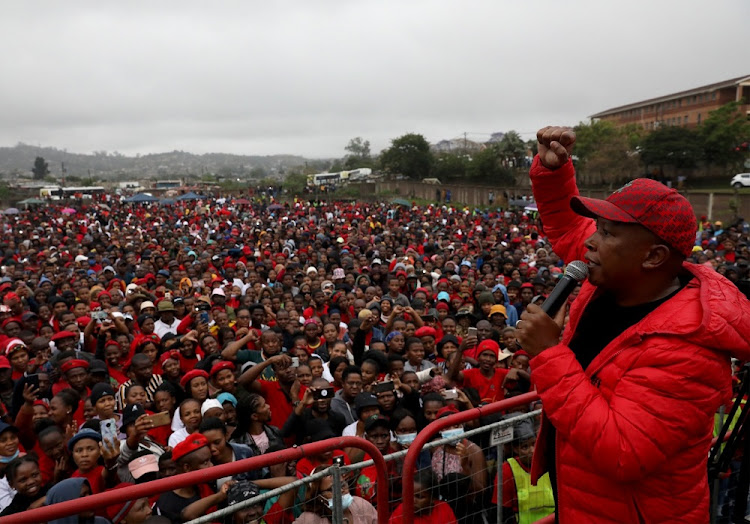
(4, 362)
(73, 364)
(443, 305)
(488, 345)
(425, 331)
(192, 443)
(63, 334)
(527, 285)
(450, 409)
(190, 375)
(9, 321)
(173, 354)
(221, 364)
(11, 297)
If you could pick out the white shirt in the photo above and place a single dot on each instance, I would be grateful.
(162, 328)
(177, 437)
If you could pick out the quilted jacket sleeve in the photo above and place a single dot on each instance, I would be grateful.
(661, 404)
(552, 192)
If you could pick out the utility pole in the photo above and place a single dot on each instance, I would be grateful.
(466, 146)
(63, 170)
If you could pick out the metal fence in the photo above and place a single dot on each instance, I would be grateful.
(148, 489)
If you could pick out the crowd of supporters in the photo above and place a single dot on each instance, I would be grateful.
(143, 341)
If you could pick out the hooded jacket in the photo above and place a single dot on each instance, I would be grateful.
(633, 430)
(69, 489)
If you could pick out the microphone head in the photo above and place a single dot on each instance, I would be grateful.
(577, 270)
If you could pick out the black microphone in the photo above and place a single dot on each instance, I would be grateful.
(574, 273)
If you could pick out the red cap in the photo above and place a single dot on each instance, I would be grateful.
(661, 210)
(4, 362)
(11, 297)
(488, 345)
(73, 364)
(190, 375)
(450, 409)
(193, 442)
(221, 364)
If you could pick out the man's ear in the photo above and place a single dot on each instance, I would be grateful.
(657, 256)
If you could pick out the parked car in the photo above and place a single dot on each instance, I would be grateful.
(741, 180)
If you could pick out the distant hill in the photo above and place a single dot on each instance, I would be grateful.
(18, 160)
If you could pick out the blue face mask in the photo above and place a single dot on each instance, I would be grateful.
(346, 501)
(406, 438)
(5, 460)
(450, 433)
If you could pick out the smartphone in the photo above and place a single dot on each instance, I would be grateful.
(109, 430)
(382, 387)
(33, 380)
(338, 460)
(472, 332)
(324, 393)
(450, 394)
(160, 419)
(204, 317)
(99, 316)
(295, 362)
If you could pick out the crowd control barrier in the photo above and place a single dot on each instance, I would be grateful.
(424, 438)
(101, 500)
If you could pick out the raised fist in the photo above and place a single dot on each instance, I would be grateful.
(555, 145)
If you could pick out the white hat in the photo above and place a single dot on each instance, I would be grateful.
(503, 355)
(147, 304)
(210, 403)
(311, 270)
(82, 258)
(218, 291)
(131, 288)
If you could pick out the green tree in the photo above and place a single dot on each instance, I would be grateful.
(722, 133)
(258, 172)
(490, 166)
(40, 169)
(671, 146)
(295, 183)
(450, 166)
(604, 153)
(512, 149)
(359, 153)
(408, 155)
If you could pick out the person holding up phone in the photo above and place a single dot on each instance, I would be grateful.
(315, 405)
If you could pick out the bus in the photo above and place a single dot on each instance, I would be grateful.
(327, 179)
(64, 193)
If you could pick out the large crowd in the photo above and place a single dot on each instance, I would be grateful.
(144, 341)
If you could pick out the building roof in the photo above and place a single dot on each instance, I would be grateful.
(710, 87)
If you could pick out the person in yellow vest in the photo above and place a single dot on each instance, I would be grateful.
(522, 502)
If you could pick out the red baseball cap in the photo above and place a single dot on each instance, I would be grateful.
(191, 443)
(661, 210)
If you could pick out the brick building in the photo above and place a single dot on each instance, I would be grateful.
(686, 108)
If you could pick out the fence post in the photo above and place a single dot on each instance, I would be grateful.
(338, 510)
(500, 461)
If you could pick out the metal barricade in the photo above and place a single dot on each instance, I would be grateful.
(101, 500)
(483, 511)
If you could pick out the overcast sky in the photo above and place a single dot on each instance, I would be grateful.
(303, 77)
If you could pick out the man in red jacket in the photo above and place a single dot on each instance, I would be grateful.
(631, 389)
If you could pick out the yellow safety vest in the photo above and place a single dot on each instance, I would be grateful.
(534, 502)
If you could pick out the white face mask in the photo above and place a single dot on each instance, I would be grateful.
(346, 501)
(406, 438)
(451, 433)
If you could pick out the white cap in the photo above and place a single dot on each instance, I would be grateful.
(218, 291)
(210, 403)
(311, 270)
(82, 258)
(147, 304)
(131, 288)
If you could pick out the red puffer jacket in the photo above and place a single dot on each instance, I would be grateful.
(632, 445)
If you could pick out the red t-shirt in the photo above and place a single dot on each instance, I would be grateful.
(95, 478)
(490, 389)
(441, 514)
(277, 399)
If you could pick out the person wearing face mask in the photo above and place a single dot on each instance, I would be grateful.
(319, 505)
(460, 466)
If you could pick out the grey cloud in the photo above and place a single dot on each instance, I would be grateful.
(303, 77)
